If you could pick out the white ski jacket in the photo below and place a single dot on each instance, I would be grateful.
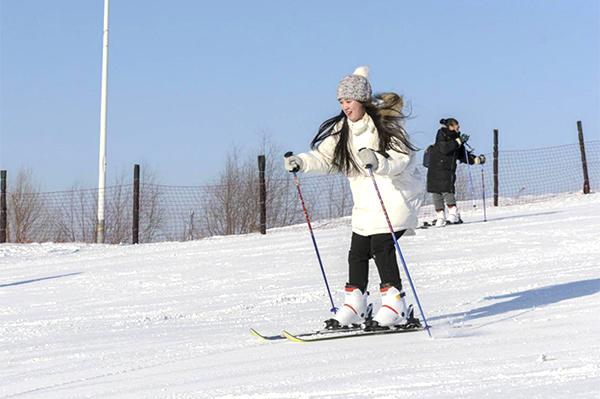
(399, 181)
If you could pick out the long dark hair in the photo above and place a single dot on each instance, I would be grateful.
(449, 122)
(386, 112)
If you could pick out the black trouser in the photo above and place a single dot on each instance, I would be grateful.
(380, 247)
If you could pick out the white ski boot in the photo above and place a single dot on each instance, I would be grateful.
(354, 311)
(393, 309)
(453, 215)
(440, 220)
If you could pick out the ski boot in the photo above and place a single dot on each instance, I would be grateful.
(353, 312)
(393, 310)
(440, 220)
(453, 215)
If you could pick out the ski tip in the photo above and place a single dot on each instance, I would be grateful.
(266, 337)
(291, 337)
(259, 335)
(256, 333)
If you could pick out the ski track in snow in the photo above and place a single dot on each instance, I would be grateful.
(513, 303)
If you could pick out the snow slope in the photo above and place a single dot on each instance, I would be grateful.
(513, 303)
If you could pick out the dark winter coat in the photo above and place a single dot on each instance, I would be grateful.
(441, 173)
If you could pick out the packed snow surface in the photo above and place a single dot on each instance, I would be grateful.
(513, 303)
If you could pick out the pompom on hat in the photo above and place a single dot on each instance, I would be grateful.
(356, 86)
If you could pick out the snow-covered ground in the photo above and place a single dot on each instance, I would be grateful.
(513, 303)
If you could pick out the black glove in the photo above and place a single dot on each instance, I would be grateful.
(464, 137)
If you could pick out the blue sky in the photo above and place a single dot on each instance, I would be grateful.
(190, 79)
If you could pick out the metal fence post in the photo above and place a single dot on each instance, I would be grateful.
(496, 183)
(3, 213)
(136, 205)
(586, 178)
(262, 194)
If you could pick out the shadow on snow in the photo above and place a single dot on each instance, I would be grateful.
(519, 216)
(529, 299)
(38, 279)
(497, 219)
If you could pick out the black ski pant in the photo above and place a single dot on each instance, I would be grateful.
(379, 247)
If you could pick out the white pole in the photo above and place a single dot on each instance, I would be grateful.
(102, 156)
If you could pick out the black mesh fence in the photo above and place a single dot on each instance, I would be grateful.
(524, 176)
(176, 213)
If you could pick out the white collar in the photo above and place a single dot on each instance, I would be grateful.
(360, 126)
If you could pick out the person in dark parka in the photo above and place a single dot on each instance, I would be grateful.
(441, 173)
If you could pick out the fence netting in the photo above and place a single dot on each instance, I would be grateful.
(176, 213)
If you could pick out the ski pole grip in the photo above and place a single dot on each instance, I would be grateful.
(368, 166)
(297, 168)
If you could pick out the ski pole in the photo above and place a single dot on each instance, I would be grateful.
(312, 236)
(387, 218)
(470, 177)
(483, 193)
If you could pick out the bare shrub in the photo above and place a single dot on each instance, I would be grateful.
(232, 206)
(119, 208)
(75, 216)
(27, 217)
(228, 206)
(152, 211)
(281, 199)
(74, 212)
(118, 214)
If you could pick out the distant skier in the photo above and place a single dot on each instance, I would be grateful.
(369, 131)
(449, 147)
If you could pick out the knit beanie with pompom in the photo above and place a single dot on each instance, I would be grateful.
(356, 86)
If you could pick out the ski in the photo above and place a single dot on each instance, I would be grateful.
(266, 337)
(427, 225)
(460, 221)
(315, 337)
(354, 330)
(280, 337)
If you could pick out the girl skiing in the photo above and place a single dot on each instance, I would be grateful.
(369, 131)
(441, 173)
